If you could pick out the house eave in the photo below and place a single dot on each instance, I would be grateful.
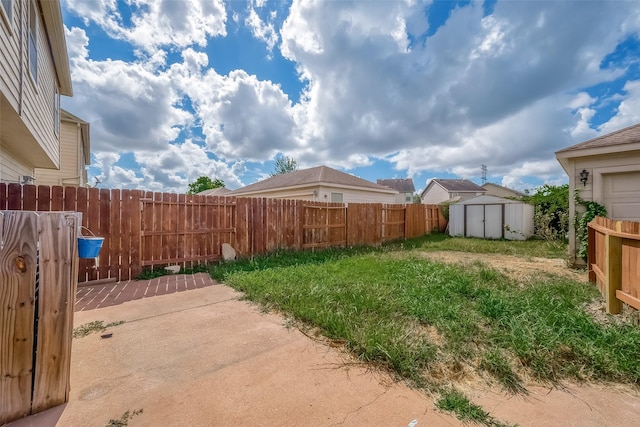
(312, 185)
(596, 151)
(565, 157)
(52, 16)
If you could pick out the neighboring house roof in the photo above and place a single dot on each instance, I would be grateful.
(220, 191)
(52, 15)
(84, 131)
(620, 141)
(507, 189)
(312, 176)
(400, 185)
(455, 185)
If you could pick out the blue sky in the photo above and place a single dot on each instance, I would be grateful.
(177, 89)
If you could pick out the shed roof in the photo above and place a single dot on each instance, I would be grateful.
(311, 176)
(488, 200)
(400, 185)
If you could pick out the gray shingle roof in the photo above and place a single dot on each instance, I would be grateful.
(220, 191)
(459, 185)
(627, 135)
(316, 175)
(400, 185)
(519, 193)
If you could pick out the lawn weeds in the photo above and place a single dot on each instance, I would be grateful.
(92, 327)
(434, 324)
(123, 421)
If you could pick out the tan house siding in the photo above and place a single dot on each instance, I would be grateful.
(27, 105)
(12, 169)
(9, 55)
(351, 195)
(322, 193)
(39, 95)
(610, 158)
(71, 164)
(435, 195)
(594, 190)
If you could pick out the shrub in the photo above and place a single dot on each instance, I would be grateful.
(551, 215)
(582, 231)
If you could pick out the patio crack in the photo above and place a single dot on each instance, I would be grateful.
(359, 409)
(183, 309)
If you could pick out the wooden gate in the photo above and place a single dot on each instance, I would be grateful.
(189, 229)
(325, 225)
(38, 280)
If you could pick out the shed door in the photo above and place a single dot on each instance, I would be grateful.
(484, 221)
(622, 195)
(474, 221)
(493, 221)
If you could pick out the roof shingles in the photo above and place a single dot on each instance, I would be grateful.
(400, 185)
(628, 135)
(311, 176)
(459, 185)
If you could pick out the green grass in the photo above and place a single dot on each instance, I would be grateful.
(431, 242)
(526, 248)
(430, 322)
(159, 271)
(456, 402)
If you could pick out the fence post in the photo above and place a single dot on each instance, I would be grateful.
(591, 252)
(613, 273)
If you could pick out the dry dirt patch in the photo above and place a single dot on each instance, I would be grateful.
(518, 268)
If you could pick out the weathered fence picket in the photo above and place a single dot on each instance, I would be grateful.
(38, 280)
(143, 229)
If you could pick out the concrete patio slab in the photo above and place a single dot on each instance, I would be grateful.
(206, 358)
(191, 352)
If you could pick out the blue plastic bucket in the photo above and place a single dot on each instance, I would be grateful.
(89, 247)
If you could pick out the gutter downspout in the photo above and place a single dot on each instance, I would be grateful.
(79, 151)
(21, 95)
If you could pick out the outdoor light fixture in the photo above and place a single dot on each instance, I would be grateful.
(584, 175)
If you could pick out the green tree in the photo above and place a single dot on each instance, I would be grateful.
(204, 183)
(284, 164)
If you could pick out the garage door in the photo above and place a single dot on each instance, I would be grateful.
(622, 195)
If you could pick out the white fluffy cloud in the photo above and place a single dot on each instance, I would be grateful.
(129, 104)
(261, 30)
(483, 89)
(154, 23)
(506, 89)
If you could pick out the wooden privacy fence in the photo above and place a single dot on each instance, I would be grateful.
(614, 261)
(38, 279)
(146, 229)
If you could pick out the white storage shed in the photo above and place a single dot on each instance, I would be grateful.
(491, 217)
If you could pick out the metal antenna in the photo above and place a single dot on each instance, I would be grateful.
(484, 174)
